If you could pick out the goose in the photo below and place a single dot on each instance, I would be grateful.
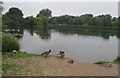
(46, 53)
(62, 54)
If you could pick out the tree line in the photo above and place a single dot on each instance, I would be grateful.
(86, 20)
(14, 19)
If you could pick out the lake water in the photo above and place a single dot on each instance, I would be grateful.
(79, 45)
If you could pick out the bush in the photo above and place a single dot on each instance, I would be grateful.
(117, 60)
(9, 42)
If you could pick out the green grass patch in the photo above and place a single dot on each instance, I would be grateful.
(117, 60)
(5, 67)
(100, 62)
(11, 69)
(19, 54)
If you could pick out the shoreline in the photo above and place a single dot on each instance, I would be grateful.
(24, 64)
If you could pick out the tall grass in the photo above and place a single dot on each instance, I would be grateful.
(9, 42)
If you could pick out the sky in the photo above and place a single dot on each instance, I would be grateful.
(60, 8)
(61, 0)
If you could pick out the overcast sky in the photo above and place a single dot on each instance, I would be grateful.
(61, 8)
(61, 0)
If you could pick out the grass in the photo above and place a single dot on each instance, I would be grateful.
(100, 62)
(19, 54)
(117, 60)
(9, 67)
(12, 67)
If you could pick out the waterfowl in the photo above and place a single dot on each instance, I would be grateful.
(62, 54)
(70, 61)
(46, 53)
(109, 64)
(14, 51)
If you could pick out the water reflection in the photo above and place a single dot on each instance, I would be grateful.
(101, 32)
(45, 33)
(17, 33)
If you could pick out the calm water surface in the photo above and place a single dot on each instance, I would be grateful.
(84, 48)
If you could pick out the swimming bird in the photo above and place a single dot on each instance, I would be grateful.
(62, 54)
(46, 53)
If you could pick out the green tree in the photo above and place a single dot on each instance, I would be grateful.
(107, 20)
(13, 18)
(14, 12)
(45, 12)
(97, 21)
(40, 22)
(114, 21)
(29, 22)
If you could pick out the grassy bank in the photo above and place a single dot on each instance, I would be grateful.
(9, 67)
(116, 61)
(25, 64)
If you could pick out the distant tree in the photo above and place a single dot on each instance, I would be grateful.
(86, 19)
(53, 20)
(45, 12)
(40, 23)
(107, 20)
(14, 12)
(114, 21)
(29, 22)
(13, 18)
(97, 21)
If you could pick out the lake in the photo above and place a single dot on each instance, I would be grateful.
(84, 45)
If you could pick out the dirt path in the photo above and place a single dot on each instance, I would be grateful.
(54, 66)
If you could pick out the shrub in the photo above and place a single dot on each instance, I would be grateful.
(9, 42)
(117, 60)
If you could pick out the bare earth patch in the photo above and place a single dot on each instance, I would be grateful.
(55, 66)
